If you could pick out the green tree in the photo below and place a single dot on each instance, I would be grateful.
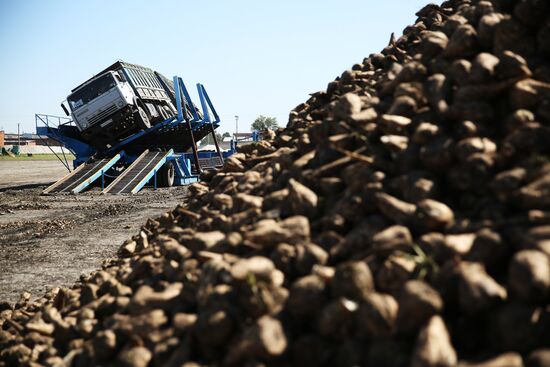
(262, 123)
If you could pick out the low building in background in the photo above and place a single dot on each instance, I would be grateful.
(30, 144)
(26, 139)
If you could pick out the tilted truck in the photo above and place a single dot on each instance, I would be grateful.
(131, 127)
(120, 101)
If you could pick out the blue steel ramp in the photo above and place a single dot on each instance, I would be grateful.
(83, 176)
(133, 178)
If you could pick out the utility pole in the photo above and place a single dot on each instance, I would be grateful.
(18, 135)
(236, 125)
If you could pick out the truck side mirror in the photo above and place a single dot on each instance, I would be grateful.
(65, 109)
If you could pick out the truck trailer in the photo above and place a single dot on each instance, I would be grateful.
(131, 127)
(120, 101)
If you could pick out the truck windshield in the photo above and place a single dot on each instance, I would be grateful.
(91, 91)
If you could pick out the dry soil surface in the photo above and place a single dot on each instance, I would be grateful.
(48, 241)
(24, 173)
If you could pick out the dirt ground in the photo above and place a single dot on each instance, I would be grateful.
(24, 173)
(48, 241)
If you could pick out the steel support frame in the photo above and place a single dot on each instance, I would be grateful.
(101, 174)
(182, 166)
(152, 173)
(184, 100)
(185, 108)
(44, 126)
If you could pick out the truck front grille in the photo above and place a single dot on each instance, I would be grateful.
(105, 113)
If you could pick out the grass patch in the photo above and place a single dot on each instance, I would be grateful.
(35, 157)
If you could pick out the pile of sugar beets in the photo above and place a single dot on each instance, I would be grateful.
(401, 219)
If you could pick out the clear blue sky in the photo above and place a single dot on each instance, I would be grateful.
(254, 57)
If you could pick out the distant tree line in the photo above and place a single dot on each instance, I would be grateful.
(262, 123)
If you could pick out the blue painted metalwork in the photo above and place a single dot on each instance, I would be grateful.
(203, 105)
(182, 161)
(177, 91)
(98, 174)
(165, 123)
(182, 169)
(152, 172)
(187, 180)
(182, 165)
(188, 100)
(130, 163)
(181, 103)
(46, 126)
(204, 94)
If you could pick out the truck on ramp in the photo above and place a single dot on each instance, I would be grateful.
(131, 126)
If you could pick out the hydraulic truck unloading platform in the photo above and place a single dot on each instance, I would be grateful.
(165, 153)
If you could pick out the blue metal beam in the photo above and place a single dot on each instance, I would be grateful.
(81, 150)
(204, 106)
(203, 92)
(98, 174)
(189, 101)
(177, 90)
(181, 164)
(152, 172)
(169, 122)
(186, 113)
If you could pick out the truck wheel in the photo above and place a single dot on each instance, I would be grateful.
(140, 117)
(166, 175)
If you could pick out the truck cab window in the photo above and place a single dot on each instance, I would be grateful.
(91, 91)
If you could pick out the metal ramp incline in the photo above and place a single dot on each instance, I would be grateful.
(83, 176)
(133, 178)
